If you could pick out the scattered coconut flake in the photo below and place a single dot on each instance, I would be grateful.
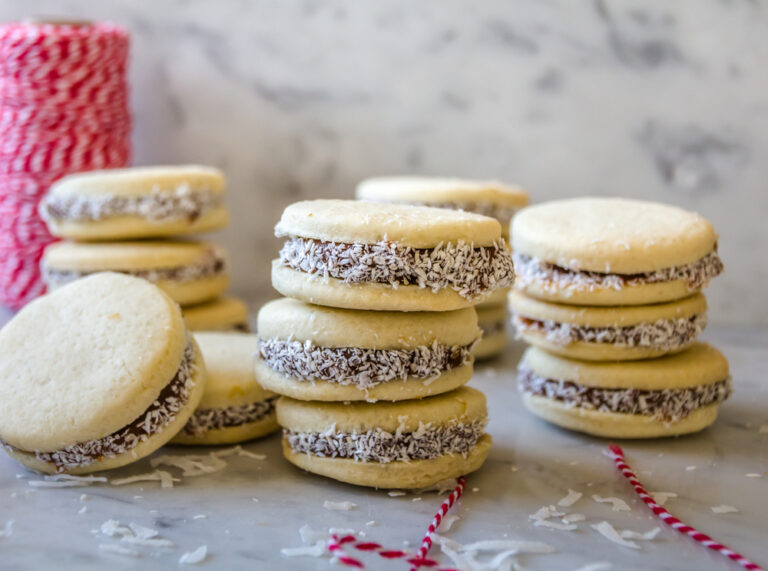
(318, 549)
(194, 557)
(118, 550)
(191, 464)
(342, 531)
(542, 518)
(133, 540)
(690, 468)
(199, 516)
(7, 530)
(71, 478)
(724, 509)
(255, 499)
(373, 522)
(309, 535)
(59, 484)
(753, 475)
(546, 512)
(416, 500)
(395, 493)
(573, 518)
(442, 487)
(239, 451)
(447, 523)
(464, 556)
(572, 497)
(617, 504)
(647, 536)
(83, 497)
(662, 497)
(475, 489)
(143, 532)
(112, 527)
(339, 506)
(82, 510)
(609, 532)
(158, 475)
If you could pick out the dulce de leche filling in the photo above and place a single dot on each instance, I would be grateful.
(468, 270)
(207, 419)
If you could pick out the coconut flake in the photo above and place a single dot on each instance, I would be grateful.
(318, 549)
(661, 498)
(609, 532)
(339, 506)
(194, 557)
(464, 556)
(191, 465)
(143, 532)
(617, 504)
(395, 493)
(753, 475)
(572, 497)
(647, 536)
(7, 530)
(724, 509)
(447, 523)
(573, 518)
(112, 527)
(133, 540)
(158, 475)
(118, 550)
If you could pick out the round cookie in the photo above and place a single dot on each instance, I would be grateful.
(190, 272)
(96, 375)
(389, 257)
(316, 353)
(489, 198)
(146, 202)
(609, 333)
(493, 323)
(672, 395)
(234, 407)
(222, 314)
(612, 251)
(408, 445)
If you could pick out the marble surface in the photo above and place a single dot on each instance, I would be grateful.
(531, 464)
(644, 98)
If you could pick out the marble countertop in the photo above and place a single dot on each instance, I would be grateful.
(247, 511)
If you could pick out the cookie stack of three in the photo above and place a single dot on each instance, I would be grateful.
(608, 295)
(374, 343)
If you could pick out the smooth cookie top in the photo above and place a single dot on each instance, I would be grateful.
(612, 235)
(440, 190)
(351, 221)
(86, 360)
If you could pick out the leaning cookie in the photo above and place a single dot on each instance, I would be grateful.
(364, 255)
(190, 272)
(609, 333)
(492, 321)
(234, 407)
(311, 352)
(668, 396)
(612, 251)
(143, 202)
(410, 444)
(221, 314)
(96, 375)
(487, 197)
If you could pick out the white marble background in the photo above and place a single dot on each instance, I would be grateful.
(653, 99)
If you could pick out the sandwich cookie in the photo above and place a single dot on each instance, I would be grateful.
(222, 314)
(410, 444)
(489, 198)
(612, 251)
(311, 352)
(136, 203)
(609, 333)
(492, 321)
(668, 396)
(364, 255)
(234, 407)
(96, 375)
(190, 272)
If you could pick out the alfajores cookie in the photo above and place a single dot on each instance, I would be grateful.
(146, 202)
(222, 314)
(486, 197)
(492, 321)
(410, 444)
(234, 407)
(612, 251)
(364, 255)
(668, 396)
(96, 375)
(609, 333)
(190, 272)
(311, 352)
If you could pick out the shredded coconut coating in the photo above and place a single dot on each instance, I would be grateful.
(471, 272)
(554, 278)
(159, 414)
(205, 419)
(501, 212)
(663, 334)
(180, 203)
(668, 405)
(212, 264)
(377, 445)
(365, 368)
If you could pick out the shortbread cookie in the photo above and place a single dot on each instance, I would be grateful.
(190, 272)
(409, 444)
(364, 255)
(222, 314)
(96, 375)
(145, 202)
(668, 396)
(492, 321)
(234, 407)
(311, 352)
(609, 333)
(612, 251)
(486, 197)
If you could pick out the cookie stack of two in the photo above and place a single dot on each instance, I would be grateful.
(608, 295)
(373, 345)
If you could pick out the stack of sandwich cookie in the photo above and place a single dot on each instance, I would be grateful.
(605, 279)
(490, 198)
(223, 314)
(96, 375)
(234, 407)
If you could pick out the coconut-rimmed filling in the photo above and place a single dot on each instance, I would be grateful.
(360, 366)
(501, 212)
(667, 405)
(663, 334)
(160, 413)
(211, 264)
(429, 441)
(206, 419)
(553, 278)
(180, 203)
(470, 271)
